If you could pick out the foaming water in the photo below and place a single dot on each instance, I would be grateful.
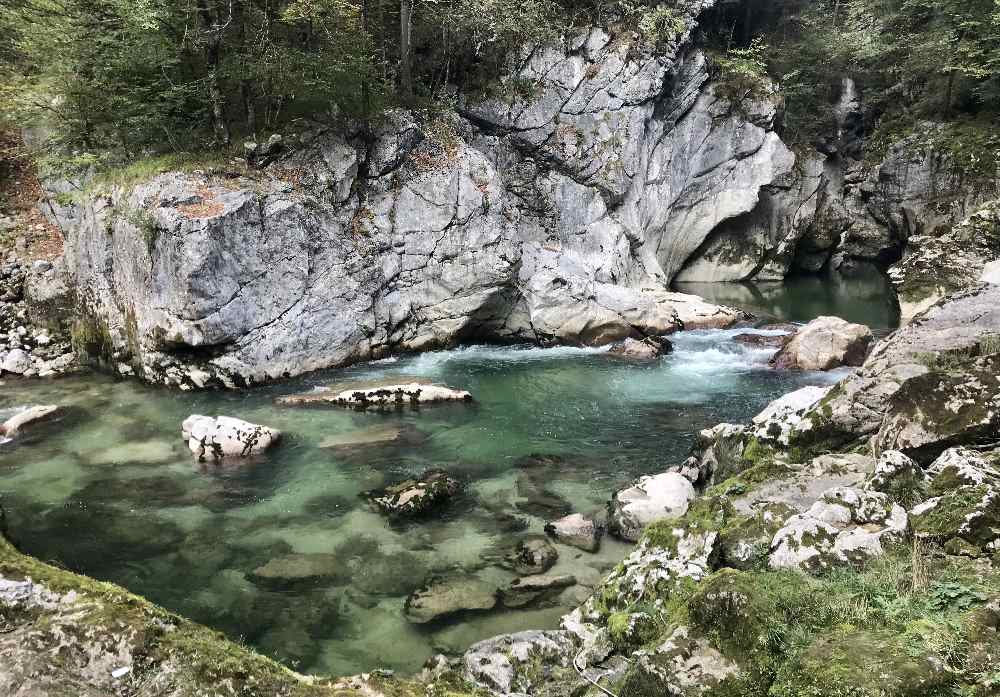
(114, 493)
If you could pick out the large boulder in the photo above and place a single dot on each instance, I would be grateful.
(824, 344)
(899, 477)
(649, 499)
(779, 418)
(223, 437)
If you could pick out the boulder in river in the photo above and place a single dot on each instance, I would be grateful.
(650, 499)
(28, 417)
(648, 348)
(16, 361)
(415, 497)
(378, 395)
(824, 344)
(445, 597)
(222, 437)
(532, 555)
(527, 590)
(577, 531)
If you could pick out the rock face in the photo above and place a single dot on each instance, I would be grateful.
(648, 500)
(378, 397)
(929, 386)
(943, 261)
(845, 525)
(562, 216)
(442, 598)
(825, 343)
(415, 497)
(34, 324)
(219, 438)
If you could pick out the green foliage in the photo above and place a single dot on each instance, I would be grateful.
(742, 73)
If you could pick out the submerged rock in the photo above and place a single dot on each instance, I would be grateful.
(824, 344)
(443, 598)
(29, 416)
(577, 531)
(378, 397)
(530, 589)
(532, 555)
(224, 437)
(650, 499)
(415, 497)
(294, 569)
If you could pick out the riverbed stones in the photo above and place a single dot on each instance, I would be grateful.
(530, 589)
(532, 555)
(224, 437)
(649, 499)
(825, 343)
(415, 497)
(378, 397)
(577, 531)
(27, 417)
(298, 569)
(447, 597)
(846, 525)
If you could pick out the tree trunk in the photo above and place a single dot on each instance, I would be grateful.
(213, 55)
(405, 57)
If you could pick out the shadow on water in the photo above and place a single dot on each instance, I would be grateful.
(114, 493)
(858, 295)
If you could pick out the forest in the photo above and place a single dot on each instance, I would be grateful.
(114, 80)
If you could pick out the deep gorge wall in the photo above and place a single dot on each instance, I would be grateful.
(559, 212)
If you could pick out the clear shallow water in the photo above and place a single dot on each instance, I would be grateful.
(113, 492)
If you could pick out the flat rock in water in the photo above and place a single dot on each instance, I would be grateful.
(297, 568)
(446, 597)
(524, 591)
(225, 437)
(27, 417)
(380, 396)
(414, 496)
(577, 531)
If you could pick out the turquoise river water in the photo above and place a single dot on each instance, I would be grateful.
(112, 491)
